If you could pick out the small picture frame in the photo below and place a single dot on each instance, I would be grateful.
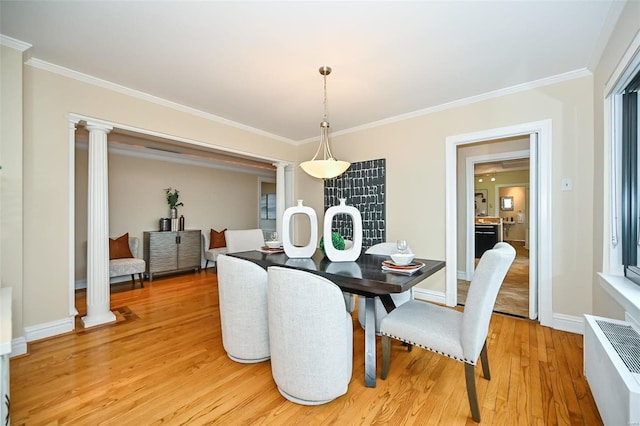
(506, 203)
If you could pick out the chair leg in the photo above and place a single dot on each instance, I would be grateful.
(206, 264)
(469, 373)
(386, 356)
(133, 280)
(485, 362)
(141, 280)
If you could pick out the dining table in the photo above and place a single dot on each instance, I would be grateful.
(364, 277)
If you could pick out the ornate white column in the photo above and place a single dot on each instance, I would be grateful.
(98, 291)
(280, 207)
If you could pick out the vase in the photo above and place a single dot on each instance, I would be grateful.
(349, 254)
(299, 251)
(174, 213)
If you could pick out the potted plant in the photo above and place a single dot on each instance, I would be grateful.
(172, 199)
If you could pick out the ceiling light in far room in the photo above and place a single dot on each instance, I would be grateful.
(493, 178)
(480, 180)
(328, 167)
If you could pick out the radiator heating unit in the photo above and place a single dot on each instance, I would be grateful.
(612, 368)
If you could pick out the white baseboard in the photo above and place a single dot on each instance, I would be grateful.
(50, 329)
(462, 275)
(568, 323)
(429, 295)
(18, 346)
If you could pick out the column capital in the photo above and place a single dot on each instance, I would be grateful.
(98, 125)
(280, 164)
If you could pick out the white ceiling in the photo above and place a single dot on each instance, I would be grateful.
(256, 63)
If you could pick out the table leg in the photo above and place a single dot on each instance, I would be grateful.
(370, 343)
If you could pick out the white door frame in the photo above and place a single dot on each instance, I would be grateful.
(541, 169)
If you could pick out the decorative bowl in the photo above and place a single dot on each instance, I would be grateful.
(402, 259)
(274, 244)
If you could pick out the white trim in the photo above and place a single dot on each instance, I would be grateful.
(49, 329)
(627, 67)
(543, 232)
(429, 295)
(18, 346)
(14, 44)
(47, 66)
(73, 311)
(625, 292)
(570, 75)
(85, 78)
(568, 323)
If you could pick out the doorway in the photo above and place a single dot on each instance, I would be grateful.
(458, 226)
(501, 213)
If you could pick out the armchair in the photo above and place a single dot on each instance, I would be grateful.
(128, 265)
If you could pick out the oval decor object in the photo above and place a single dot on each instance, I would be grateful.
(349, 254)
(295, 251)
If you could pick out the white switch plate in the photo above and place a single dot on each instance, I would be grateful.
(567, 184)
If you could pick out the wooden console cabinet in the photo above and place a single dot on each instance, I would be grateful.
(166, 251)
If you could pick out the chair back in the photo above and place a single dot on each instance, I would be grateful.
(242, 290)
(483, 290)
(311, 335)
(244, 240)
(134, 243)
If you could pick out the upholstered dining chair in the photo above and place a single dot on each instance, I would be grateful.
(242, 289)
(382, 249)
(310, 335)
(243, 240)
(458, 335)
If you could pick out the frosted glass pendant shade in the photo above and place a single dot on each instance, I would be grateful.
(295, 251)
(325, 169)
(347, 255)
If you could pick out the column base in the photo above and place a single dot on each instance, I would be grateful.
(98, 320)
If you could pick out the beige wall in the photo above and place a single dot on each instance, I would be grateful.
(627, 28)
(48, 99)
(213, 198)
(415, 153)
(11, 193)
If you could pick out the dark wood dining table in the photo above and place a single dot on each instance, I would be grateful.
(363, 277)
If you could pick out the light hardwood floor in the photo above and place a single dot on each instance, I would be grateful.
(513, 297)
(163, 362)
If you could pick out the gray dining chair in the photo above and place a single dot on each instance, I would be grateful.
(310, 335)
(242, 289)
(449, 332)
(382, 249)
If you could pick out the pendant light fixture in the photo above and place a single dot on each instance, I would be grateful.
(327, 167)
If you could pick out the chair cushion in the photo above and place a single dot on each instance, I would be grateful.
(119, 247)
(126, 266)
(428, 326)
(216, 240)
(212, 254)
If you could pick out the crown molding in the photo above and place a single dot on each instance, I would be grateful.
(13, 43)
(86, 78)
(571, 75)
(47, 66)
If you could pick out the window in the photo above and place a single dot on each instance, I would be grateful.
(268, 206)
(630, 182)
